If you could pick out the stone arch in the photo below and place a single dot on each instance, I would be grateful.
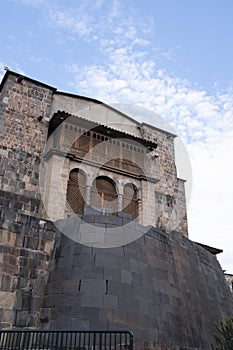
(104, 194)
(130, 200)
(75, 195)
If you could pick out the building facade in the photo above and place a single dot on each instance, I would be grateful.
(94, 226)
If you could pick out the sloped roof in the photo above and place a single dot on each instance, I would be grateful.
(75, 96)
(212, 250)
(59, 117)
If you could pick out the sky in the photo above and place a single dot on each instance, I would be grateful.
(171, 57)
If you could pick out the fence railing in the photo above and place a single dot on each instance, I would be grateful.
(65, 340)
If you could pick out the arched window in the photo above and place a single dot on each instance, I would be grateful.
(103, 194)
(130, 200)
(76, 191)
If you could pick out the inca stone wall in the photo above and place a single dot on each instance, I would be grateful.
(26, 243)
(167, 289)
(169, 193)
(22, 136)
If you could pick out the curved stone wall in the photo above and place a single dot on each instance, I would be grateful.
(168, 290)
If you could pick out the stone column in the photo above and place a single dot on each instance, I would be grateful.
(119, 202)
(139, 204)
(88, 195)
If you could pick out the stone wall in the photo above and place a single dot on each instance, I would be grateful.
(167, 289)
(26, 243)
(23, 136)
(169, 191)
(25, 240)
(164, 287)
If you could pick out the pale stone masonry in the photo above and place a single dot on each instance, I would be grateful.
(78, 176)
(229, 279)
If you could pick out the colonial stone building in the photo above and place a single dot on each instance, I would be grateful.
(94, 226)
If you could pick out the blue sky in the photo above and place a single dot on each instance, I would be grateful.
(189, 39)
(172, 57)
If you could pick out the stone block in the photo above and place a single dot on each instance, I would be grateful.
(21, 319)
(118, 252)
(121, 214)
(130, 252)
(87, 228)
(92, 286)
(7, 316)
(110, 302)
(7, 238)
(99, 224)
(126, 276)
(38, 288)
(89, 301)
(10, 215)
(115, 288)
(126, 303)
(45, 314)
(92, 211)
(101, 219)
(7, 300)
(35, 304)
(126, 221)
(88, 218)
(5, 282)
(109, 261)
(95, 273)
(129, 291)
(90, 313)
(112, 274)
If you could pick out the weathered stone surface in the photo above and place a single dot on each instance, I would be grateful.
(6, 300)
(25, 251)
(166, 288)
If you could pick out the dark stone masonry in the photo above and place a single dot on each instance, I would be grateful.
(164, 287)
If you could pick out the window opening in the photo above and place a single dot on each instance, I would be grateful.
(76, 191)
(104, 195)
(130, 200)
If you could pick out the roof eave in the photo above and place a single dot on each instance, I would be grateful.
(17, 75)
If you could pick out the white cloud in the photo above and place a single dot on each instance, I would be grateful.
(210, 214)
(80, 25)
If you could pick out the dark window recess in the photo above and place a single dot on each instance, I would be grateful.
(103, 194)
(130, 201)
(76, 191)
(106, 287)
(169, 201)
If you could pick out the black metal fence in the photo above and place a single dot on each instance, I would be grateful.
(65, 340)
